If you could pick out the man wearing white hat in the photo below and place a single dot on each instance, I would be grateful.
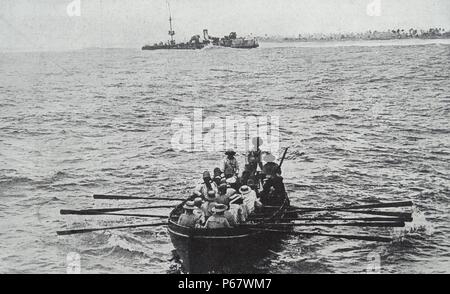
(218, 220)
(249, 200)
(198, 212)
(209, 204)
(188, 219)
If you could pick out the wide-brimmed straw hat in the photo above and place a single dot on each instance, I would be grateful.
(211, 195)
(244, 190)
(189, 205)
(219, 208)
(231, 180)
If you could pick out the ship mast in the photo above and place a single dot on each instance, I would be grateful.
(171, 31)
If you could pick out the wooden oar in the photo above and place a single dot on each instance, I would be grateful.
(122, 197)
(103, 210)
(81, 231)
(354, 237)
(357, 224)
(75, 212)
(351, 207)
(405, 215)
(374, 219)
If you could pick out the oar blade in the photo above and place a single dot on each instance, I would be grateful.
(104, 210)
(349, 207)
(88, 230)
(354, 237)
(122, 197)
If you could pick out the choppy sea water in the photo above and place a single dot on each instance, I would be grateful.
(372, 121)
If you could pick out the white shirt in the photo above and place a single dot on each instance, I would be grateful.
(203, 190)
(249, 200)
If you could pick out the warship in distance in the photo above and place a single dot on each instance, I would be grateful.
(195, 42)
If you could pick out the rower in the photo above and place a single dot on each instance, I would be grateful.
(237, 209)
(231, 179)
(206, 185)
(198, 212)
(223, 197)
(251, 184)
(218, 220)
(188, 219)
(249, 199)
(209, 204)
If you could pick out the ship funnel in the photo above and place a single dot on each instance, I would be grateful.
(205, 34)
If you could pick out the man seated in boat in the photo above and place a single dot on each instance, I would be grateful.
(231, 179)
(245, 176)
(252, 185)
(273, 192)
(206, 185)
(249, 200)
(218, 220)
(188, 219)
(225, 192)
(233, 214)
(218, 176)
(198, 212)
(209, 204)
(237, 209)
(230, 162)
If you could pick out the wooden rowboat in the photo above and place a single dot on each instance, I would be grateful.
(216, 250)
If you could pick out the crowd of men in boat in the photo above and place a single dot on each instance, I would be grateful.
(229, 197)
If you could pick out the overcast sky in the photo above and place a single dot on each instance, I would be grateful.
(46, 25)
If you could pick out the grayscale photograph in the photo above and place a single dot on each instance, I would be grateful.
(221, 137)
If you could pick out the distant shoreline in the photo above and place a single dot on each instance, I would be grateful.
(297, 40)
(394, 34)
(349, 43)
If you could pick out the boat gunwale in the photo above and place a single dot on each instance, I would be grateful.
(221, 233)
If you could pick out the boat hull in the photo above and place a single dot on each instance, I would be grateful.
(174, 47)
(223, 250)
